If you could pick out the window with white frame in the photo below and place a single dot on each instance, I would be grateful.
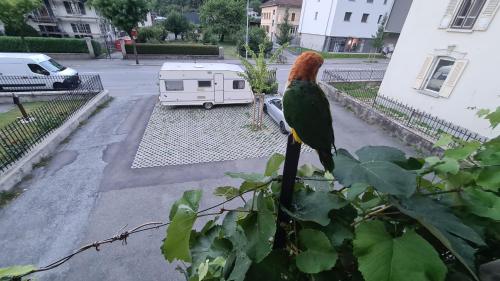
(439, 74)
(174, 85)
(467, 14)
(83, 28)
(347, 16)
(364, 18)
(74, 8)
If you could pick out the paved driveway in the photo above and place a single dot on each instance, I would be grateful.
(89, 190)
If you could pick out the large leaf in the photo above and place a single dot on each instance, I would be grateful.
(483, 204)
(384, 258)
(208, 245)
(319, 254)
(444, 141)
(7, 273)
(490, 155)
(227, 191)
(463, 151)
(176, 244)
(274, 164)
(259, 228)
(443, 166)
(489, 178)
(355, 190)
(275, 267)
(314, 206)
(344, 165)
(380, 153)
(252, 177)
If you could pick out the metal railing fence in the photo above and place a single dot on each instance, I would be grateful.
(20, 136)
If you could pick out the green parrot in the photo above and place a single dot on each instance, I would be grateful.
(307, 110)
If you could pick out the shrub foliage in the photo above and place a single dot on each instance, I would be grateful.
(47, 45)
(174, 49)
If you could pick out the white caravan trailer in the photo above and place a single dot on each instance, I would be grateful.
(203, 84)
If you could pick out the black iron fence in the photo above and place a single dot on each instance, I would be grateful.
(353, 75)
(20, 136)
(367, 93)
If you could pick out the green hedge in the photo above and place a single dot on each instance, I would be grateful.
(174, 49)
(46, 45)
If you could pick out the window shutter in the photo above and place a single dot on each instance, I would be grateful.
(450, 12)
(486, 16)
(423, 72)
(452, 80)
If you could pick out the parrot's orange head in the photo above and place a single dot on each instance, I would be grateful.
(306, 67)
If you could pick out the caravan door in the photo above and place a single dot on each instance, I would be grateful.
(219, 87)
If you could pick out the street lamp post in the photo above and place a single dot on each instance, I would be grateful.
(246, 38)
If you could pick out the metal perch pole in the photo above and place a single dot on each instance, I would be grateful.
(285, 201)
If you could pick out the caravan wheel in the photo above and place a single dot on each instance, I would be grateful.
(208, 105)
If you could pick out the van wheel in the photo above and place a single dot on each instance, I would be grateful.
(208, 105)
(282, 128)
(58, 86)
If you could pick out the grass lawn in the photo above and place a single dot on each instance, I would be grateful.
(229, 50)
(358, 90)
(11, 115)
(327, 55)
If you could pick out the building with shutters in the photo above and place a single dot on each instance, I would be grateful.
(341, 25)
(273, 13)
(446, 61)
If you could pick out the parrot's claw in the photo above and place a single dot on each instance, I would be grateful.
(296, 137)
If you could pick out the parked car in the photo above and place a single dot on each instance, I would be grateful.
(274, 108)
(35, 72)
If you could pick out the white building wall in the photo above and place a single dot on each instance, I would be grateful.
(312, 41)
(478, 87)
(323, 24)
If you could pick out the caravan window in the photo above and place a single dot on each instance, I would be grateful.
(204, 84)
(239, 84)
(174, 85)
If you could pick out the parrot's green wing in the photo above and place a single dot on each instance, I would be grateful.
(307, 111)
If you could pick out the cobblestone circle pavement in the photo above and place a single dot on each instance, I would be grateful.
(188, 135)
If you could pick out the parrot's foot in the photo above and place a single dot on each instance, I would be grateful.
(296, 137)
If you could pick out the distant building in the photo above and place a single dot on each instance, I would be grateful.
(273, 14)
(445, 61)
(58, 18)
(395, 22)
(148, 21)
(341, 25)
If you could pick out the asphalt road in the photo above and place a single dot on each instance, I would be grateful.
(88, 190)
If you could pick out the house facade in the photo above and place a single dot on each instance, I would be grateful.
(341, 25)
(395, 22)
(447, 64)
(273, 13)
(71, 18)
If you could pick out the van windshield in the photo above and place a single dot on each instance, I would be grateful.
(52, 65)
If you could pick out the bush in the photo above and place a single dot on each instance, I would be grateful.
(210, 38)
(47, 45)
(256, 36)
(173, 49)
(27, 31)
(153, 33)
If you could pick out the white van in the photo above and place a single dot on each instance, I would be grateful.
(34, 72)
(203, 84)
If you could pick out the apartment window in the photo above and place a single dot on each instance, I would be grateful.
(81, 7)
(174, 85)
(238, 84)
(81, 28)
(316, 16)
(364, 18)
(439, 74)
(74, 8)
(205, 84)
(379, 19)
(467, 14)
(347, 16)
(293, 16)
(369, 1)
(68, 7)
(272, 23)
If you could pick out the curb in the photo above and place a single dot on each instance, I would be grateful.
(48, 146)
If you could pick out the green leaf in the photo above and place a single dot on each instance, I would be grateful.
(443, 166)
(494, 118)
(275, 267)
(319, 255)
(202, 270)
(319, 183)
(307, 170)
(190, 198)
(241, 266)
(274, 164)
(483, 112)
(229, 224)
(227, 191)
(490, 155)
(464, 151)
(483, 204)
(489, 178)
(444, 141)
(14, 271)
(355, 190)
(259, 228)
(251, 177)
(208, 245)
(344, 166)
(380, 153)
(314, 206)
(384, 258)
(176, 244)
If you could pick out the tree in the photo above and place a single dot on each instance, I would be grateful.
(223, 16)
(284, 36)
(256, 37)
(124, 14)
(258, 75)
(378, 38)
(255, 5)
(13, 15)
(176, 23)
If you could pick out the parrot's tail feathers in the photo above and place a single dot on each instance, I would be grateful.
(326, 159)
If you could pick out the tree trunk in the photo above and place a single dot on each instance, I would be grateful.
(135, 51)
(258, 111)
(175, 34)
(222, 37)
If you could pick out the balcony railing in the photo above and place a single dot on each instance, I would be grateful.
(44, 19)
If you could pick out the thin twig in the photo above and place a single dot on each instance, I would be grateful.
(369, 215)
(443, 192)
